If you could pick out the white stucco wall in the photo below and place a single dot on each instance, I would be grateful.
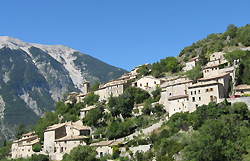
(49, 141)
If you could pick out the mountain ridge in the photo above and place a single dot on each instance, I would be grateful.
(34, 76)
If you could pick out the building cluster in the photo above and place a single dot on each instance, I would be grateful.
(179, 94)
(58, 140)
(22, 148)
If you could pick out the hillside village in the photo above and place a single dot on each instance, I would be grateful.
(178, 94)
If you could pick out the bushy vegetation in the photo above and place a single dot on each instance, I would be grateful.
(81, 153)
(37, 147)
(195, 73)
(242, 72)
(233, 37)
(220, 132)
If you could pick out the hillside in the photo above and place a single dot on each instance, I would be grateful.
(233, 38)
(34, 76)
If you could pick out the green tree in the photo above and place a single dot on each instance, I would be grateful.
(37, 147)
(171, 64)
(39, 157)
(5, 151)
(81, 153)
(95, 86)
(49, 119)
(156, 93)
(91, 99)
(143, 70)
(219, 139)
(157, 70)
(231, 31)
(138, 95)
(20, 131)
(195, 73)
(92, 117)
(124, 105)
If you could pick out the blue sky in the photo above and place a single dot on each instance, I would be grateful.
(123, 33)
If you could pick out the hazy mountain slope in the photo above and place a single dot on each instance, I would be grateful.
(33, 77)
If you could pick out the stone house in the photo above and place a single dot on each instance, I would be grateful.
(61, 138)
(66, 144)
(242, 89)
(178, 104)
(191, 64)
(218, 56)
(148, 82)
(224, 79)
(22, 148)
(210, 71)
(204, 92)
(116, 88)
(105, 147)
(174, 89)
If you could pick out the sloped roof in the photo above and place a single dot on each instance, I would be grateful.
(178, 83)
(88, 108)
(203, 84)
(214, 77)
(72, 137)
(178, 97)
(242, 87)
(56, 126)
(193, 59)
(29, 134)
(108, 142)
(32, 142)
(102, 143)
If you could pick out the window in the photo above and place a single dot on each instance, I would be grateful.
(199, 91)
(206, 90)
(154, 82)
(199, 98)
(196, 105)
(211, 89)
(101, 154)
(179, 108)
(170, 94)
(54, 149)
(194, 92)
(147, 84)
(140, 85)
(191, 93)
(61, 150)
(193, 99)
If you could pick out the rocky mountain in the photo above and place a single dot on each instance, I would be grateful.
(34, 76)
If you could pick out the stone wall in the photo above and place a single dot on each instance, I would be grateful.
(240, 99)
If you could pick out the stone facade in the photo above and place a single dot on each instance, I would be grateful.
(148, 82)
(61, 138)
(191, 64)
(22, 148)
(114, 88)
